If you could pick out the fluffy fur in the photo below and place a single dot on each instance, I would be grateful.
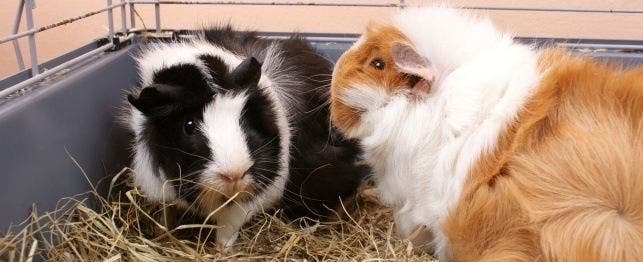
(231, 114)
(374, 44)
(515, 154)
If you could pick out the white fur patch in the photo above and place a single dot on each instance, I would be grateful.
(272, 80)
(222, 127)
(281, 75)
(151, 180)
(363, 98)
(157, 56)
(421, 152)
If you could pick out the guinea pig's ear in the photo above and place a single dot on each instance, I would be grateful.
(152, 100)
(247, 73)
(408, 61)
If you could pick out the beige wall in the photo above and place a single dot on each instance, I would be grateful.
(313, 19)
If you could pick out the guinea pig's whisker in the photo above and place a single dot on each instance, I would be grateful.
(181, 151)
(317, 108)
(330, 135)
(316, 75)
(325, 86)
(185, 177)
(300, 196)
(196, 203)
(263, 146)
(301, 187)
(267, 161)
(285, 196)
(316, 78)
(266, 170)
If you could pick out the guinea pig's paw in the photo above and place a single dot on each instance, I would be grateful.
(224, 249)
(226, 239)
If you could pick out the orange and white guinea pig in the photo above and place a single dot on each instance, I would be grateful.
(502, 151)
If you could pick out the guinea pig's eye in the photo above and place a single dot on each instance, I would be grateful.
(189, 127)
(378, 63)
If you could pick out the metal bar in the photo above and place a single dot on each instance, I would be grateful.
(45, 28)
(110, 21)
(12, 89)
(259, 3)
(33, 55)
(491, 8)
(16, 27)
(351, 39)
(562, 44)
(560, 10)
(157, 11)
(123, 18)
(320, 38)
(601, 46)
(132, 14)
(19, 35)
(402, 4)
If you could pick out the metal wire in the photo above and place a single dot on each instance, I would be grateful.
(157, 12)
(54, 25)
(16, 27)
(170, 2)
(30, 5)
(123, 18)
(132, 14)
(37, 78)
(559, 10)
(401, 4)
(110, 21)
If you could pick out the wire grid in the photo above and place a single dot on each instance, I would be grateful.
(27, 6)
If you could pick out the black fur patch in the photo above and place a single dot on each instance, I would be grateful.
(174, 90)
(179, 94)
(218, 69)
(258, 123)
(263, 139)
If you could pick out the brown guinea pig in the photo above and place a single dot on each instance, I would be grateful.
(516, 153)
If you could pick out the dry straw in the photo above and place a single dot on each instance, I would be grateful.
(122, 227)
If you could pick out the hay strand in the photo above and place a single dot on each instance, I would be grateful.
(123, 227)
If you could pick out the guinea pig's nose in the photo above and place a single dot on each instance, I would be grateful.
(231, 177)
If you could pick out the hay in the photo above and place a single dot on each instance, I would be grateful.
(123, 228)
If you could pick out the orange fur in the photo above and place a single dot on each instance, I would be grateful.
(565, 180)
(356, 69)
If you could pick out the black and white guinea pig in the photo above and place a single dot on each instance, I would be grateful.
(231, 117)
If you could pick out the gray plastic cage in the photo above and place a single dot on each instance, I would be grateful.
(58, 126)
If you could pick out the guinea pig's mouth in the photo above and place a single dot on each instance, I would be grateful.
(240, 190)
